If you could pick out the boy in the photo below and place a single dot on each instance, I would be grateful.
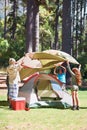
(13, 74)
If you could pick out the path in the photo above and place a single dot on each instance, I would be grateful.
(3, 76)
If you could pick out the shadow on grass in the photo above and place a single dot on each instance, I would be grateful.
(83, 107)
(4, 103)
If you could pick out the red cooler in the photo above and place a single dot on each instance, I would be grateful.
(18, 103)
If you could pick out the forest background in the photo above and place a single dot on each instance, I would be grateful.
(37, 25)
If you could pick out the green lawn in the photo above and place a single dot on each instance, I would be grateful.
(43, 118)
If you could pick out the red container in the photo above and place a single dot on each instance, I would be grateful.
(18, 103)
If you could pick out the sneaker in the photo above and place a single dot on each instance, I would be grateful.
(77, 108)
(74, 108)
(10, 107)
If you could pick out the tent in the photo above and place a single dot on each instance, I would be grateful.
(36, 62)
(62, 54)
(39, 61)
(42, 86)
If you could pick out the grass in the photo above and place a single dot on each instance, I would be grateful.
(43, 118)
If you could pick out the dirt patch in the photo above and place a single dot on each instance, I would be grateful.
(3, 91)
(83, 129)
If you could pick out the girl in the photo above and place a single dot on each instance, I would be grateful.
(60, 71)
(76, 81)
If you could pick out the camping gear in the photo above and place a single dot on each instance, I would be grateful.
(62, 54)
(43, 83)
(40, 61)
(18, 103)
(36, 62)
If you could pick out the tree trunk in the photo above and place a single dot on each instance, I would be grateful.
(29, 25)
(5, 20)
(14, 18)
(66, 31)
(35, 41)
(56, 26)
(66, 27)
(32, 26)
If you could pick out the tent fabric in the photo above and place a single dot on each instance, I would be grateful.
(55, 86)
(47, 85)
(39, 61)
(52, 104)
(63, 55)
(43, 82)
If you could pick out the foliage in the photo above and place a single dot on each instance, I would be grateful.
(15, 47)
(3, 45)
(83, 55)
(1, 27)
(83, 61)
(46, 31)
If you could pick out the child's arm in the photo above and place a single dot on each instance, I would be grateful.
(64, 68)
(55, 71)
(79, 67)
(68, 66)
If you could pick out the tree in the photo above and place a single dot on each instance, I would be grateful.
(78, 14)
(66, 27)
(35, 41)
(46, 27)
(56, 24)
(5, 20)
(32, 26)
(29, 25)
(14, 18)
(66, 30)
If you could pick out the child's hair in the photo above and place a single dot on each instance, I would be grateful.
(59, 68)
(11, 60)
(78, 76)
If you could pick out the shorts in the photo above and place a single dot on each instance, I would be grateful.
(13, 90)
(74, 88)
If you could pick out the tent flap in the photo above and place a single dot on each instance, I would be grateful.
(39, 61)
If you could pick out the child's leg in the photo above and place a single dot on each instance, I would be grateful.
(77, 100)
(73, 98)
(9, 102)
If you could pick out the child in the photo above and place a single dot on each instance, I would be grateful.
(76, 81)
(13, 74)
(60, 71)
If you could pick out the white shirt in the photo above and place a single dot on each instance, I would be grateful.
(13, 73)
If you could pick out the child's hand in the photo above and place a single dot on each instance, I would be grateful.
(79, 65)
(67, 62)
